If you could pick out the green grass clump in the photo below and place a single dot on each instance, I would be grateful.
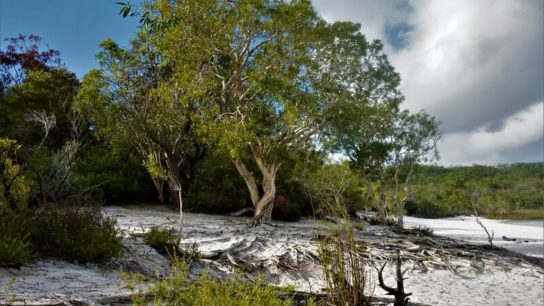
(177, 290)
(14, 239)
(164, 240)
(342, 263)
(79, 234)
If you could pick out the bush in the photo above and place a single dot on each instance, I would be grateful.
(14, 239)
(422, 230)
(14, 189)
(342, 263)
(428, 209)
(209, 291)
(376, 220)
(80, 234)
(192, 255)
(164, 240)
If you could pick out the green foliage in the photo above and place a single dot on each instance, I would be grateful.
(502, 190)
(14, 189)
(14, 238)
(50, 91)
(80, 234)
(191, 255)
(116, 173)
(343, 266)
(177, 290)
(422, 230)
(216, 186)
(335, 183)
(519, 214)
(164, 240)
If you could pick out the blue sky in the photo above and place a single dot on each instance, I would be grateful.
(74, 27)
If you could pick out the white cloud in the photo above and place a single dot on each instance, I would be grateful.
(472, 64)
(372, 15)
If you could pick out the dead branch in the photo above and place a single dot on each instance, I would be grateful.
(401, 297)
(490, 236)
(47, 121)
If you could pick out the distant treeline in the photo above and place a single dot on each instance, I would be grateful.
(508, 191)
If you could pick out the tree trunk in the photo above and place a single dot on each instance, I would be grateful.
(382, 205)
(264, 203)
(174, 182)
(406, 196)
(180, 214)
(159, 187)
(375, 201)
(399, 204)
(249, 179)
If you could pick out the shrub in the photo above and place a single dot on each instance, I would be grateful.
(14, 189)
(208, 291)
(343, 266)
(191, 255)
(164, 240)
(422, 230)
(376, 220)
(14, 239)
(80, 234)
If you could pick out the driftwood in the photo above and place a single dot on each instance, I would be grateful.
(401, 297)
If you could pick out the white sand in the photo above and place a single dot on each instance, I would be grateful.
(529, 235)
(286, 254)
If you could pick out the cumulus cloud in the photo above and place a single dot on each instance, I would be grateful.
(472, 64)
(374, 16)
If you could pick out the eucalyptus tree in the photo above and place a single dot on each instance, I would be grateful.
(371, 153)
(271, 78)
(416, 139)
(368, 138)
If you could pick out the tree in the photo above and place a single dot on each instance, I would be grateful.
(134, 91)
(41, 91)
(416, 139)
(23, 55)
(270, 78)
(329, 184)
(36, 109)
(370, 152)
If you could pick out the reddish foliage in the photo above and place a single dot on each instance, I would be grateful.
(22, 55)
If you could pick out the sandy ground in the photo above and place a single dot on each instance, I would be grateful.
(528, 235)
(440, 271)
